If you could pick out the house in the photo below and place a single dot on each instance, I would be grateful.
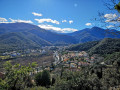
(92, 58)
(73, 65)
(43, 51)
(66, 59)
(66, 65)
(14, 54)
(83, 64)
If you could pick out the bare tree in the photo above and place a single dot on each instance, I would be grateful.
(111, 20)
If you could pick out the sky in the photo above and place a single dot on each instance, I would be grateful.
(58, 15)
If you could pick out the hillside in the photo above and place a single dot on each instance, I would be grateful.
(83, 46)
(105, 46)
(54, 38)
(95, 33)
(22, 35)
(30, 35)
(16, 41)
(44, 34)
(111, 58)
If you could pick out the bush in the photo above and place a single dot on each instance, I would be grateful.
(43, 78)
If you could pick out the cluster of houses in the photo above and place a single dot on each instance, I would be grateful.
(13, 53)
(42, 51)
(22, 53)
(73, 59)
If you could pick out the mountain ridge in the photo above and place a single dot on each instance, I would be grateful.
(37, 37)
(30, 36)
(94, 33)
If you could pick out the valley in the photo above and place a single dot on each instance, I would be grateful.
(64, 57)
(59, 44)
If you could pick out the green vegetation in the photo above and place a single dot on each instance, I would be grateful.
(105, 46)
(16, 36)
(83, 46)
(16, 76)
(20, 41)
(5, 57)
(43, 78)
(111, 58)
(117, 7)
(101, 75)
(95, 77)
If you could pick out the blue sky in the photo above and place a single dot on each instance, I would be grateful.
(59, 15)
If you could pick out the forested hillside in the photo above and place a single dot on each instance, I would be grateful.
(83, 46)
(105, 46)
(17, 41)
(22, 35)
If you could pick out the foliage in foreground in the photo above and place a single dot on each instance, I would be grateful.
(95, 77)
(43, 78)
(16, 77)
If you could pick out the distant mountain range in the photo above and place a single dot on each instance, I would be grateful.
(23, 35)
(94, 34)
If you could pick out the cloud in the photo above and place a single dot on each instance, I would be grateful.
(37, 14)
(5, 22)
(57, 29)
(3, 19)
(64, 21)
(20, 21)
(69, 29)
(47, 20)
(88, 24)
(110, 26)
(71, 21)
(110, 16)
(111, 21)
(108, 20)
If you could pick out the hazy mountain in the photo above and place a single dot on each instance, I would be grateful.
(23, 35)
(94, 34)
(28, 35)
(33, 29)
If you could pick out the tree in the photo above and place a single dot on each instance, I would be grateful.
(43, 78)
(16, 76)
(46, 78)
(38, 78)
(117, 7)
(112, 19)
(3, 85)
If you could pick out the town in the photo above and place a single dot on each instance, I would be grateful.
(58, 58)
(74, 60)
